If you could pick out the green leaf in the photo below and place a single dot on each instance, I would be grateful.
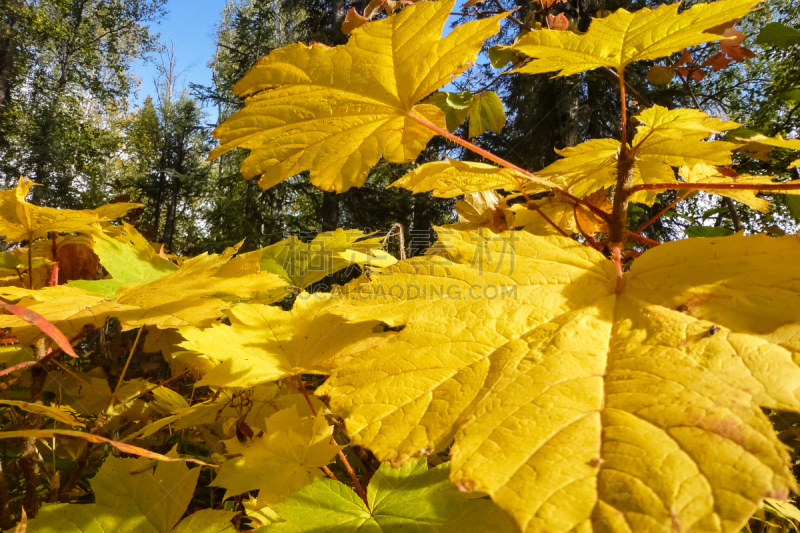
(792, 95)
(711, 212)
(408, 499)
(454, 116)
(708, 231)
(793, 203)
(778, 35)
(486, 114)
(129, 259)
(461, 100)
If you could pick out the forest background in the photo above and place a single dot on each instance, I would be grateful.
(69, 120)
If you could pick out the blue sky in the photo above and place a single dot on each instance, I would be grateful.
(189, 24)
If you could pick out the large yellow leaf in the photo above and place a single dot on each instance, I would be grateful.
(450, 178)
(577, 407)
(265, 343)
(337, 111)
(622, 37)
(20, 220)
(288, 456)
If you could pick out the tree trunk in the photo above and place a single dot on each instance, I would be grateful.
(329, 211)
(8, 47)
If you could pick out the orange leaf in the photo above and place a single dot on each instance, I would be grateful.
(47, 327)
(352, 21)
(732, 47)
(717, 61)
(559, 22)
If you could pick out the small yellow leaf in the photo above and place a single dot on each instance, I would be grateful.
(20, 220)
(709, 174)
(675, 123)
(622, 37)
(660, 75)
(286, 457)
(447, 179)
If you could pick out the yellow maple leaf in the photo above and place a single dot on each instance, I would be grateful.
(450, 178)
(759, 147)
(288, 456)
(622, 37)
(577, 406)
(675, 123)
(265, 343)
(709, 174)
(666, 139)
(337, 111)
(20, 220)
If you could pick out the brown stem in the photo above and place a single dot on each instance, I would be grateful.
(124, 370)
(22, 281)
(30, 263)
(469, 146)
(737, 222)
(661, 213)
(618, 225)
(28, 462)
(636, 94)
(502, 162)
(619, 215)
(329, 473)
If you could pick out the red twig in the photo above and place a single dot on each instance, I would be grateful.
(502, 162)
(717, 186)
(54, 275)
(16, 367)
(661, 213)
(642, 240)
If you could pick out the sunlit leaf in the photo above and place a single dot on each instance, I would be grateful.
(622, 37)
(578, 405)
(337, 111)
